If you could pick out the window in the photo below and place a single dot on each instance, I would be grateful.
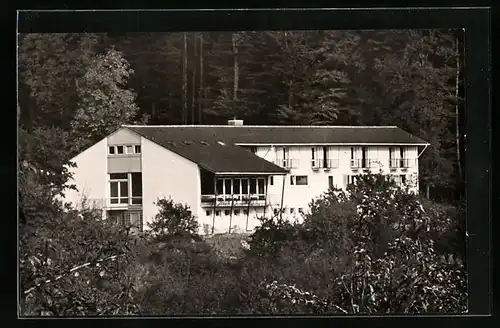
(292, 210)
(403, 179)
(314, 162)
(227, 212)
(402, 157)
(330, 182)
(236, 212)
(325, 157)
(350, 179)
(245, 212)
(217, 213)
(391, 157)
(354, 157)
(136, 179)
(220, 187)
(208, 213)
(137, 149)
(129, 149)
(237, 186)
(118, 185)
(364, 159)
(261, 186)
(119, 149)
(244, 186)
(227, 187)
(119, 217)
(253, 186)
(111, 150)
(271, 180)
(301, 180)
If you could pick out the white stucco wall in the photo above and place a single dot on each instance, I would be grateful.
(299, 196)
(123, 136)
(90, 176)
(166, 174)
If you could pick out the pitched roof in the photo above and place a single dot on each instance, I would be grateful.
(253, 135)
(209, 154)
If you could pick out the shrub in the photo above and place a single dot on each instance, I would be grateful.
(77, 265)
(173, 219)
(392, 265)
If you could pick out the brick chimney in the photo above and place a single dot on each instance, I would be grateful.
(235, 122)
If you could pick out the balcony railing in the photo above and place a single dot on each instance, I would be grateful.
(324, 163)
(403, 163)
(111, 203)
(233, 200)
(287, 163)
(360, 163)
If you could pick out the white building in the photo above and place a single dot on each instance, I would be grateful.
(230, 175)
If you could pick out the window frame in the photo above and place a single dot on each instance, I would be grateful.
(301, 184)
(135, 149)
(130, 196)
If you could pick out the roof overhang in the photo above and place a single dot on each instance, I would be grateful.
(250, 173)
(332, 144)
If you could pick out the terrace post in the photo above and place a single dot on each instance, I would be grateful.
(215, 204)
(231, 215)
(282, 195)
(248, 211)
(265, 196)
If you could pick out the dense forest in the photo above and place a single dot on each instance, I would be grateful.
(74, 89)
(409, 78)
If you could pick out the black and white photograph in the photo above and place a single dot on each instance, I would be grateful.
(246, 172)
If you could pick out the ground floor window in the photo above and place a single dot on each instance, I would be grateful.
(126, 218)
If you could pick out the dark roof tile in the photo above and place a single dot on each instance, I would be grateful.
(210, 156)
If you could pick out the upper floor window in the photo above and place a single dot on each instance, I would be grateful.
(125, 188)
(398, 157)
(124, 149)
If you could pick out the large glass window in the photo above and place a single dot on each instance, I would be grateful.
(253, 186)
(136, 188)
(220, 187)
(119, 184)
(261, 183)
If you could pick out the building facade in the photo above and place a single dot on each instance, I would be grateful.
(229, 176)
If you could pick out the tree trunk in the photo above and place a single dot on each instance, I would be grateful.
(457, 128)
(184, 79)
(193, 89)
(235, 67)
(200, 84)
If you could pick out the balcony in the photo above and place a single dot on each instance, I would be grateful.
(326, 164)
(233, 200)
(287, 163)
(402, 163)
(112, 203)
(364, 164)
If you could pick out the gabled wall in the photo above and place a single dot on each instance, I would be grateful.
(166, 174)
(90, 176)
(125, 162)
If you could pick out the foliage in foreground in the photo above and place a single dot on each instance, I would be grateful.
(370, 250)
